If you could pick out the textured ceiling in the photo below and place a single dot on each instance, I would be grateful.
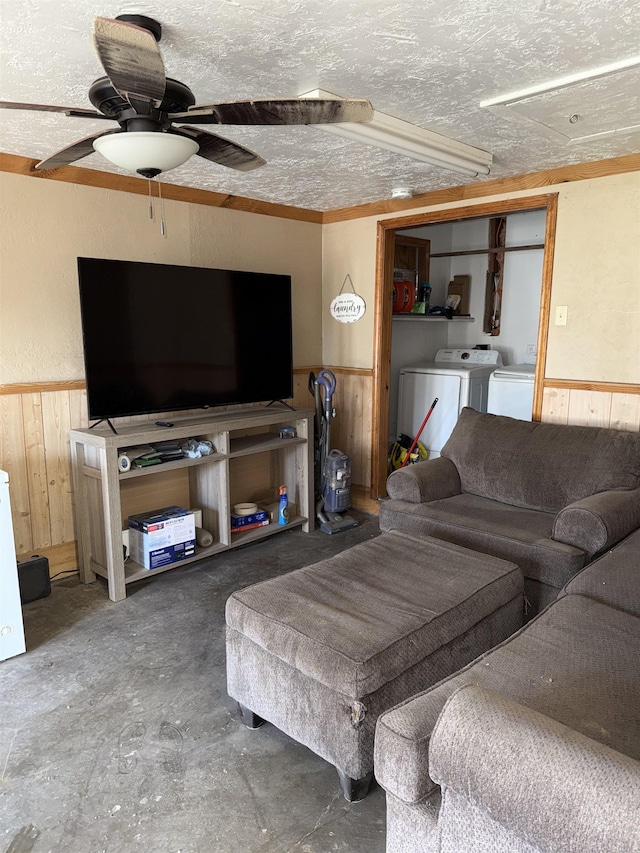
(425, 61)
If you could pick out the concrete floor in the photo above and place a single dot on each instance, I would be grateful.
(117, 734)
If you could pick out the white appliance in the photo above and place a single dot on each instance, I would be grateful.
(458, 378)
(511, 391)
(11, 627)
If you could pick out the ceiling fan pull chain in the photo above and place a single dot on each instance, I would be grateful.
(162, 228)
(150, 200)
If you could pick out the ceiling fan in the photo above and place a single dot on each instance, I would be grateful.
(147, 104)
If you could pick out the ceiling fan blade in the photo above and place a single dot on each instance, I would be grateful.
(130, 56)
(76, 112)
(223, 151)
(280, 111)
(76, 151)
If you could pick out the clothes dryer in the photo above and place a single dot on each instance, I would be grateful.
(511, 391)
(458, 378)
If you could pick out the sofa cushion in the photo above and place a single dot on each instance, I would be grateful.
(599, 521)
(523, 781)
(539, 465)
(577, 662)
(509, 532)
(406, 596)
(613, 579)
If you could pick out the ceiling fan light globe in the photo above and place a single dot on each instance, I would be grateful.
(146, 150)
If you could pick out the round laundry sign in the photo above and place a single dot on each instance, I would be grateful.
(348, 307)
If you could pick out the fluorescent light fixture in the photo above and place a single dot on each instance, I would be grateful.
(563, 82)
(402, 137)
(146, 152)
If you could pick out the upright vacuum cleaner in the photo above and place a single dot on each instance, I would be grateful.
(332, 468)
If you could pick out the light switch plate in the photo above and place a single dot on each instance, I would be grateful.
(561, 315)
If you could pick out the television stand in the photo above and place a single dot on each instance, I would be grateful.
(280, 401)
(108, 422)
(250, 461)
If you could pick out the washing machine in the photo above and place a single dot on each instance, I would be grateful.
(458, 378)
(511, 391)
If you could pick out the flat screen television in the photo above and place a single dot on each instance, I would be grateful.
(164, 338)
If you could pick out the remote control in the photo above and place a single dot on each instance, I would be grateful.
(164, 423)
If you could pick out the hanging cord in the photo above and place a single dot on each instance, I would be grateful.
(150, 200)
(162, 227)
(347, 278)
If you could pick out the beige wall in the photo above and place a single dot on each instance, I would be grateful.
(596, 274)
(349, 247)
(45, 225)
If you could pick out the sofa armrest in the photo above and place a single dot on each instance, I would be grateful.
(552, 786)
(599, 521)
(432, 480)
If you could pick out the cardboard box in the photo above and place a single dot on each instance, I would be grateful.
(461, 286)
(162, 537)
(252, 526)
(244, 520)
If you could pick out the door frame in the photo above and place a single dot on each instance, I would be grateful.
(387, 229)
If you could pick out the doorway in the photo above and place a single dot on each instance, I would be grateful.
(385, 263)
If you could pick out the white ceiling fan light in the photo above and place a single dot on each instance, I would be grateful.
(402, 137)
(146, 152)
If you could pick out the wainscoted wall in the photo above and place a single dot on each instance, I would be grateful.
(591, 407)
(34, 450)
(34, 445)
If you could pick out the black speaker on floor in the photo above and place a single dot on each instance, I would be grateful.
(33, 578)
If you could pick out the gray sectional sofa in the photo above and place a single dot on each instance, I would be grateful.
(535, 746)
(547, 497)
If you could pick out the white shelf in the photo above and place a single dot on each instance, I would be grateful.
(431, 318)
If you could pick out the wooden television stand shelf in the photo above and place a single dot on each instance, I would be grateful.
(249, 463)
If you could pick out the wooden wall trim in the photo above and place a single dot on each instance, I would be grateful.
(545, 306)
(43, 387)
(468, 192)
(18, 165)
(350, 371)
(472, 211)
(80, 384)
(122, 183)
(381, 358)
(587, 385)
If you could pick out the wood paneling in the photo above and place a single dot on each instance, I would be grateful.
(591, 408)
(36, 460)
(14, 462)
(34, 450)
(351, 428)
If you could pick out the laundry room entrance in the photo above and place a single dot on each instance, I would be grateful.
(460, 294)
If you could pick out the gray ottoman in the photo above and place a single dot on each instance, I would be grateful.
(322, 651)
